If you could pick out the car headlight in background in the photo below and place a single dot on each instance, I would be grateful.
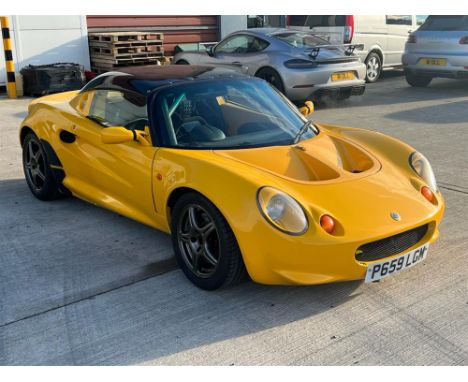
(423, 168)
(298, 63)
(282, 211)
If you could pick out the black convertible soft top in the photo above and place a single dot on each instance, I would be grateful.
(144, 79)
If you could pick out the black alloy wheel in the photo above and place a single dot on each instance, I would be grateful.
(204, 244)
(36, 168)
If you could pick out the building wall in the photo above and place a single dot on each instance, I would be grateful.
(176, 29)
(232, 23)
(39, 40)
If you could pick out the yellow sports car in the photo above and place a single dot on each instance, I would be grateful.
(242, 180)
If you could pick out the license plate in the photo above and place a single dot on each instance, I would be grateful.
(433, 61)
(378, 271)
(342, 76)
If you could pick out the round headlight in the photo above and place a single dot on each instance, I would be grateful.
(282, 211)
(423, 168)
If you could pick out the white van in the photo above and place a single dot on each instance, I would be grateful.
(383, 36)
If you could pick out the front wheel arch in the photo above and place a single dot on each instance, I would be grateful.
(25, 130)
(231, 268)
(174, 196)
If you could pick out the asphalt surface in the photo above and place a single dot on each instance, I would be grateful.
(81, 285)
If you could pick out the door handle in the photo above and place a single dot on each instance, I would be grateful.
(236, 63)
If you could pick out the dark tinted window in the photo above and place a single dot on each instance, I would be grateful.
(420, 19)
(317, 21)
(257, 45)
(241, 44)
(255, 21)
(398, 20)
(445, 23)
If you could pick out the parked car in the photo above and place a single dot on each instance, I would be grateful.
(239, 177)
(383, 36)
(298, 64)
(439, 48)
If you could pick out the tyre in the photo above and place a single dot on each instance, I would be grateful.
(417, 81)
(205, 246)
(37, 172)
(373, 67)
(271, 75)
(182, 62)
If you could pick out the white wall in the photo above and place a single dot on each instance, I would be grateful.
(39, 40)
(231, 23)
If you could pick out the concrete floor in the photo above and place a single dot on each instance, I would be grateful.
(81, 285)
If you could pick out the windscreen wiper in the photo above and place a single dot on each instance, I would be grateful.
(301, 132)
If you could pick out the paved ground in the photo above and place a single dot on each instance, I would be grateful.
(80, 285)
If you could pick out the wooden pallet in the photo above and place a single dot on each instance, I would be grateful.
(121, 59)
(126, 62)
(121, 52)
(135, 47)
(114, 37)
(100, 68)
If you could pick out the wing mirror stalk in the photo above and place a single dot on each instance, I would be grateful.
(113, 135)
(210, 51)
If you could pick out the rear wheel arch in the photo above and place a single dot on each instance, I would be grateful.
(25, 130)
(379, 52)
(374, 71)
(267, 67)
(182, 62)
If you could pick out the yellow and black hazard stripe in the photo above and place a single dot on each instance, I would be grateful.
(9, 65)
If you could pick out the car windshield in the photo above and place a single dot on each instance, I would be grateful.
(301, 40)
(445, 23)
(227, 113)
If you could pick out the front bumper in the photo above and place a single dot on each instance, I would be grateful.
(316, 257)
(314, 263)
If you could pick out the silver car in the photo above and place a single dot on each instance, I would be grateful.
(299, 64)
(439, 48)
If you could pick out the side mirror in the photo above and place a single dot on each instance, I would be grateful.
(210, 51)
(116, 135)
(307, 109)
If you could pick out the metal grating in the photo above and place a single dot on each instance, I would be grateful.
(390, 245)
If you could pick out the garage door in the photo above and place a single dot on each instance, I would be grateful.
(176, 29)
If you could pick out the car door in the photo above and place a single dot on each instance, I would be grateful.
(239, 52)
(116, 176)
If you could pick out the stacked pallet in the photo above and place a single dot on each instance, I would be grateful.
(110, 50)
